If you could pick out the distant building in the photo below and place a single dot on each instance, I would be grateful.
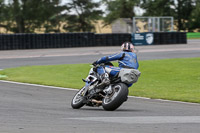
(122, 25)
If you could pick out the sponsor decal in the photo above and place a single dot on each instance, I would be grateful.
(149, 38)
(143, 38)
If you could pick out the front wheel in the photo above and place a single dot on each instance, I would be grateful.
(77, 101)
(113, 101)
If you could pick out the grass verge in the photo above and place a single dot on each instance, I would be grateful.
(172, 79)
(193, 35)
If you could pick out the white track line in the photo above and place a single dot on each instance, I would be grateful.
(36, 85)
(62, 88)
(163, 100)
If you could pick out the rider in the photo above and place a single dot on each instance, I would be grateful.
(126, 59)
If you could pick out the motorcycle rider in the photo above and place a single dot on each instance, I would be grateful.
(126, 59)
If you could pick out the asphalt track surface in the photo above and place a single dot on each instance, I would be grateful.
(28, 108)
(15, 58)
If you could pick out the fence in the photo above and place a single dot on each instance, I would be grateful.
(170, 38)
(64, 40)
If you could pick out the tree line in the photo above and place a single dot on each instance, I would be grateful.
(26, 16)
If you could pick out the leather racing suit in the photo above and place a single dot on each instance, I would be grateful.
(125, 60)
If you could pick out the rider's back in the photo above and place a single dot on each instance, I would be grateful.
(129, 60)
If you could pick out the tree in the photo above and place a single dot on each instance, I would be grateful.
(179, 9)
(183, 10)
(24, 16)
(157, 7)
(83, 14)
(3, 14)
(194, 22)
(119, 9)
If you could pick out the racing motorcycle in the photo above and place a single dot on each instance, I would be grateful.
(111, 96)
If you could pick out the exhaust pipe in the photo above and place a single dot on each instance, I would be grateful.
(96, 101)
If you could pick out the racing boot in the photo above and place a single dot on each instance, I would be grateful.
(104, 81)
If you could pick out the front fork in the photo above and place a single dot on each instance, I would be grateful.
(89, 86)
(108, 90)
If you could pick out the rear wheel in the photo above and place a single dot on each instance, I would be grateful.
(113, 101)
(77, 101)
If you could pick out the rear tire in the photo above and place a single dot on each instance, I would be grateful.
(77, 101)
(113, 101)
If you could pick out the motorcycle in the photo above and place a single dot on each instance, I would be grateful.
(110, 97)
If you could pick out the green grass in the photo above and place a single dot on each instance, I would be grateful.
(55, 75)
(173, 79)
(193, 35)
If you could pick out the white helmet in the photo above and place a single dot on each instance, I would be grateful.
(127, 46)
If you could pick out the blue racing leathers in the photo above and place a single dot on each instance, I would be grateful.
(125, 60)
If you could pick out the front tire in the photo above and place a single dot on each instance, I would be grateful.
(77, 101)
(119, 95)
